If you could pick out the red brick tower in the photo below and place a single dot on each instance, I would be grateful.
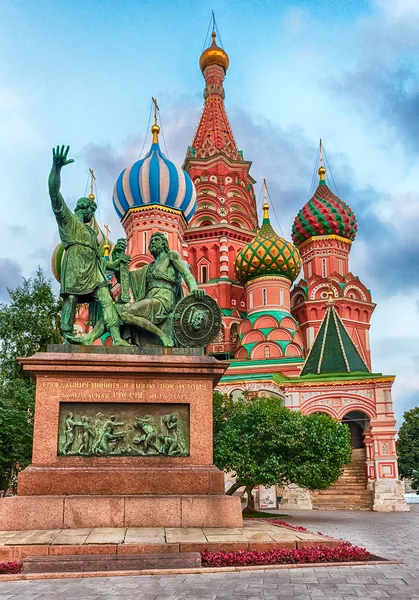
(323, 232)
(226, 217)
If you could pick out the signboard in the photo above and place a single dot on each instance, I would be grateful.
(267, 497)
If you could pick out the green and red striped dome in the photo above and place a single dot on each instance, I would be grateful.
(324, 214)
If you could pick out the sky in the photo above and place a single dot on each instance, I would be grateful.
(83, 73)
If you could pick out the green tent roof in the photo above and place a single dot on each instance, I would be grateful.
(333, 350)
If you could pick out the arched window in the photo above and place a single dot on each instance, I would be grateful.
(264, 298)
(324, 269)
(234, 334)
(204, 274)
(267, 352)
(309, 269)
(251, 300)
(281, 297)
(340, 261)
(145, 242)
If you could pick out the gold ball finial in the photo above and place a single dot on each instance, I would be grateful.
(214, 55)
(330, 292)
(155, 130)
(91, 196)
(265, 208)
(322, 173)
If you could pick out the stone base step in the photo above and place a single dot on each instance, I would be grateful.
(343, 489)
(110, 562)
(349, 495)
(352, 486)
(350, 491)
(343, 507)
(342, 503)
(343, 498)
(80, 512)
(349, 482)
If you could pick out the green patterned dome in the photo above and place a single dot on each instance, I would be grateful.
(267, 254)
(324, 214)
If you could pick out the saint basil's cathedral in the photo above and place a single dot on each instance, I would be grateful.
(295, 319)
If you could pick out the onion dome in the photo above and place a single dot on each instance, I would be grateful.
(154, 180)
(267, 254)
(324, 214)
(214, 55)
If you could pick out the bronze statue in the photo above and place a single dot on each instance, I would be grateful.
(83, 277)
(150, 309)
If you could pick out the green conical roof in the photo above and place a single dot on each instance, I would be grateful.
(333, 350)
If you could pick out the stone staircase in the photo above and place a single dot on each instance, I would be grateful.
(350, 491)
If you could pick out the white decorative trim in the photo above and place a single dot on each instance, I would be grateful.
(319, 287)
(351, 286)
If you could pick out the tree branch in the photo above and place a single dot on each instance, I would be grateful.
(236, 485)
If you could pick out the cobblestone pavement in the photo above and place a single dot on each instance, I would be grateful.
(393, 535)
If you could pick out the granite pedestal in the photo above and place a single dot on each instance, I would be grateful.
(73, 490)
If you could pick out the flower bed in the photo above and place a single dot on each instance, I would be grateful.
(288, 525)
(10, 568)
(343, 553)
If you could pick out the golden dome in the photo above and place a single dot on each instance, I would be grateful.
(214, 55)
(322, 173)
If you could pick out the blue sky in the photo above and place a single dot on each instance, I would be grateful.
(83, 73)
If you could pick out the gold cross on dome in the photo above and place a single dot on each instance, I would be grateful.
(92, 180)
(331, 292)
(107, 232)
(156, 108)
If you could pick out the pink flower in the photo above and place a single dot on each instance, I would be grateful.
(285, 524)
(10, 568)
(344, 553)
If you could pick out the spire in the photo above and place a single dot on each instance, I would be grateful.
(155, 129)
(322, 170)
(265, 205)
(106, 247)
(333, 350)
(330, 293)
(214, 133)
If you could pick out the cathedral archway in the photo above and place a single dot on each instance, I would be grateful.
(357, 422)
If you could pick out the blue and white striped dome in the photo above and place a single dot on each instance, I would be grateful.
(154, 180)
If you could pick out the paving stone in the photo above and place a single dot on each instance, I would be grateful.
(71, 537)
(36, 537)
(392, 535)
(187, 536)
(106, 536)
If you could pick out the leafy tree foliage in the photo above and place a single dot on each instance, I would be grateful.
(408, 447)
(27, 324)
(264, 443)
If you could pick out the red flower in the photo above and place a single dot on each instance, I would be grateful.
(10, 568)
(344, 553)
(285, 524)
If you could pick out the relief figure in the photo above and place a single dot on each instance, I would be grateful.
(149, 439)
(108, 439)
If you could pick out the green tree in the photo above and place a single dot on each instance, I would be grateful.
(408, 447)
(28, 323)
(264, 443)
